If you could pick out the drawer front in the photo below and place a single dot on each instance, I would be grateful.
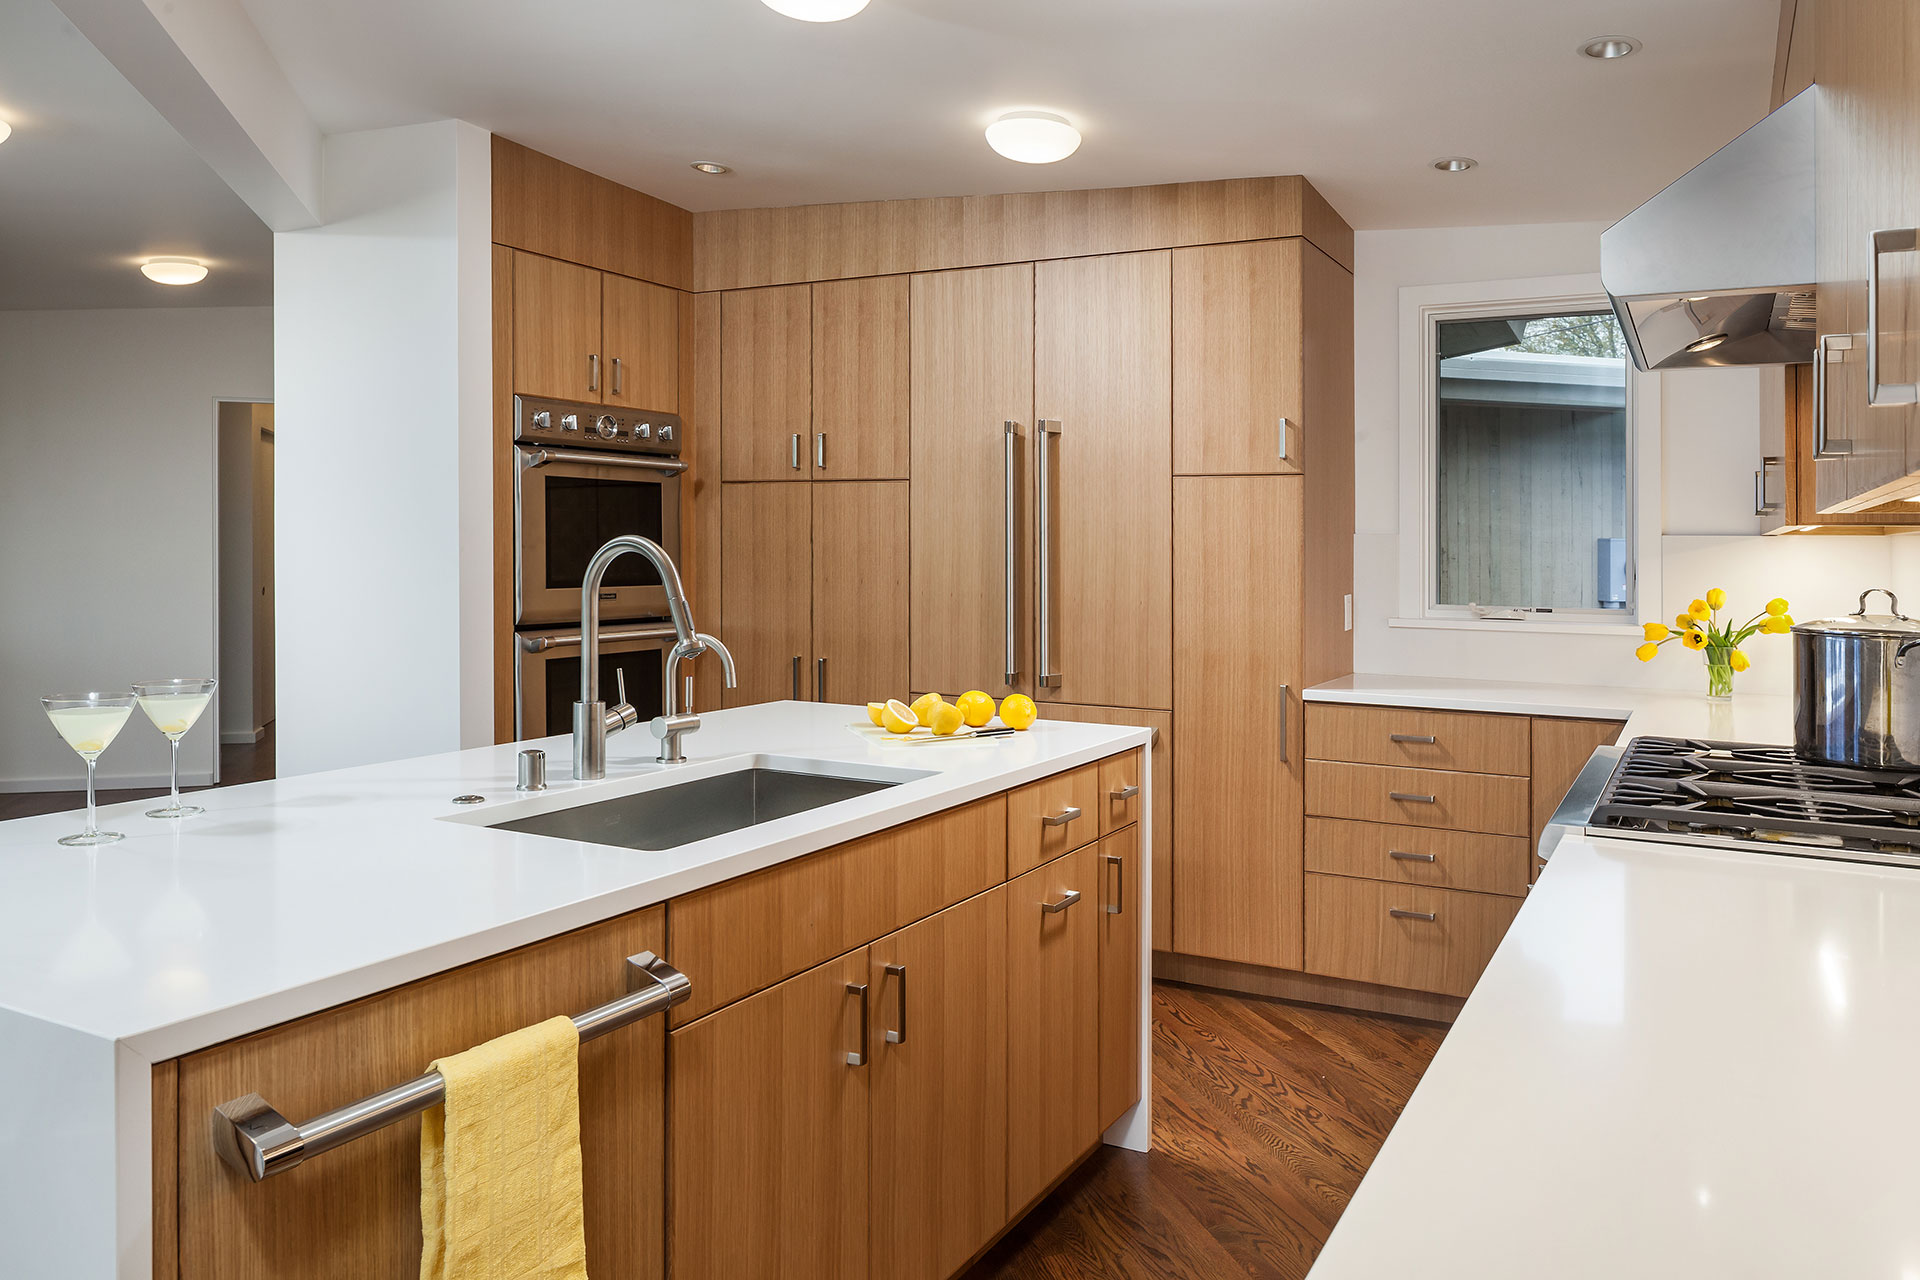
(1459, 740)
(1418, 797)
(1353, 932)
(1419, 855)
(1119, 791)
(1052, 816)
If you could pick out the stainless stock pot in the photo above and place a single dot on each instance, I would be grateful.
(1856, 688)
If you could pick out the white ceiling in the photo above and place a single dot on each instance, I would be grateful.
(93, 181)
(1359, 95)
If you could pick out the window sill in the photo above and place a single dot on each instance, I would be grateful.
(1571, 627)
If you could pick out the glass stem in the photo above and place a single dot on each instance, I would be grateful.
(175, 803)
(91, 828)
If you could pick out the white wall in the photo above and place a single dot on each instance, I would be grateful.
(1711, 422)
(383, 349)
(107, 540)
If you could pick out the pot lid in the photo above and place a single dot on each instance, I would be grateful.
(1862, 623)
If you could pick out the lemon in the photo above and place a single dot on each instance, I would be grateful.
(876, 712)
(976, 707)
(944, 719)
(897, 717)
(924, 704)
(1018, 712)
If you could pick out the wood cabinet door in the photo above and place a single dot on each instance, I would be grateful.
(1053, 1021)
(766, 383)
(971, 347)
(939, 1089)
(354, 1213)
(640, 338)
(1561, 748)
(766, 590)
(1237, 817)
(860, 591)
(1119, 923)
(860, 379)
(1238, 386)
(769, 1132)
(1160, 766)
(1103, 371)
(556, 329)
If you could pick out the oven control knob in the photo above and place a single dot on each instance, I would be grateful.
(607, 426)
(543, 421)
(571, 422)
(666, 433)
(643, 431)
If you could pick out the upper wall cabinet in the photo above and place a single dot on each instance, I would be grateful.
(766, 383)
(860, 379)
(1237, 358)
(639, 340)
(581, 334)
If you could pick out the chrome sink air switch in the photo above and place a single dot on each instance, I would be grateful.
(533, 770)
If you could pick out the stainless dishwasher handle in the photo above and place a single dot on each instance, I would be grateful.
(1046, 677)
(858, 1057)
(1068, 899)
(899, 971)
(1398, 914)
(1012, 531)
(1404, 856)
(1826, 350)
(1899, 240)
(1119, 904)
(1061, 818)
(1425, 739)
(1410, 797)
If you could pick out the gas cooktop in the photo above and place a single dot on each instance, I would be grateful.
(1740, 795)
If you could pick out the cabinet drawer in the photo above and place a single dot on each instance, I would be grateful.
(1458, 740)
(1052, 816)
(1352, 932)
(1119, 791)
(746, 934)
(1418, 797)
(1418, 855)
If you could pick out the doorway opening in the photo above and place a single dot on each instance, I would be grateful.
(245, 555)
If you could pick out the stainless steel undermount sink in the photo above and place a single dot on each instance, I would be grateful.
(699, 808)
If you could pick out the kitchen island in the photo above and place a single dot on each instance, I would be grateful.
(123, 967)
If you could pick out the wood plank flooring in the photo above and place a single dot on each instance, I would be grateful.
(1265, 1116)
(246, 762)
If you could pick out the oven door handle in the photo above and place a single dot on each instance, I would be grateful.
(541, 457)
(540, 644)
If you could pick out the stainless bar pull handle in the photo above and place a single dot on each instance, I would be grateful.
(793, 452)
(1061, 818)
(1119, 904)
(616, 375)
(796, 677)
(1012, 430)
(1286, 700)
(542, 457)
(1398, 914)
(819, 679)
(1127, 792)
(1826, 350)
(255, 1140)
(858, 1057)
(820, 450)
(1404, 856)
(1761, 507)
(1425, 739)
(1068, 899)
(593, 372)
(900, 1036)
(1409, 797)
(1899, 240)
(1047, 677)
(1285, 426)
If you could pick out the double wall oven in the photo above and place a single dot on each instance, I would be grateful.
(584, 473)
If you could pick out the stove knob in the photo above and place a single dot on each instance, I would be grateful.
(571, 422)
(643, 431)
(543, 421)
(666, 433)
(607, 426)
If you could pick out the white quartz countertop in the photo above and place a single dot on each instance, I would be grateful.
(1680, 1062)
(290, 896)
(1747, 717)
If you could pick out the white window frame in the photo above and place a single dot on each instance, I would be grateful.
(1421, 308)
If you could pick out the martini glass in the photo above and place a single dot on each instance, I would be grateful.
(89, 722)
(174, 706)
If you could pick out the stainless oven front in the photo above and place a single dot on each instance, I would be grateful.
(584, 474)
(546, 673)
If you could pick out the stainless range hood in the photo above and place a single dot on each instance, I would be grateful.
(1718, 269)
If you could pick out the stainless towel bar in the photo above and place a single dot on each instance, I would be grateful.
(256, 1140)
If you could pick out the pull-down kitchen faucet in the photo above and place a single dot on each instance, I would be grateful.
(593, 719)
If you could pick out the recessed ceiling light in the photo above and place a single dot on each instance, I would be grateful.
(1707, 343)
(1455, 164)
(1033, 137)
(1610, 47)
(711, 166)
(816, 10)
(174, 270)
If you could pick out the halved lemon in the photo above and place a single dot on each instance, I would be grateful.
(924, 704)
(976, 706)
(1018, 712)
(898, 717)
(876, 710)
(945, 719)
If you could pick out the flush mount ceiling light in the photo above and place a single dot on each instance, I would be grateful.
(816, 10)
(1033, 137)
(1455, 164)
(1707, 343)
(6, 131)
(711, 166)
(1604, 47)
(174, 270)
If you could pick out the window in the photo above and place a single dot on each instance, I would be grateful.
(1531, 477)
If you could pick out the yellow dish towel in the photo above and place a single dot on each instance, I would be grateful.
(500, 1162)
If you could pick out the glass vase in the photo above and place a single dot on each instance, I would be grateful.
(1719, 673)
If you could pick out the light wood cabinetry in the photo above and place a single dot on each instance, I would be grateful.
(1238, 384)
(1412, 738)
(1120, 784)
(1160, 768)
(859, 581)
(640, 346)
(1103, 358)
(940, 1089)
(1419, 855)
(1403, 935)
(556, 329)
(1561, 748)
(860, 401)
(354, 1213)
(1053, 816)
(1120, 960)
(766, 383)
(971, 339)
(1053, 1027)
(1418, 797)
(766, 589)
(769, 1161)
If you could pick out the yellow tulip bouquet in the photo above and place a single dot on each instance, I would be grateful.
(1701, 629)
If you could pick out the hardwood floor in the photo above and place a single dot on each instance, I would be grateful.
(1265, 1116)
(247, 762)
